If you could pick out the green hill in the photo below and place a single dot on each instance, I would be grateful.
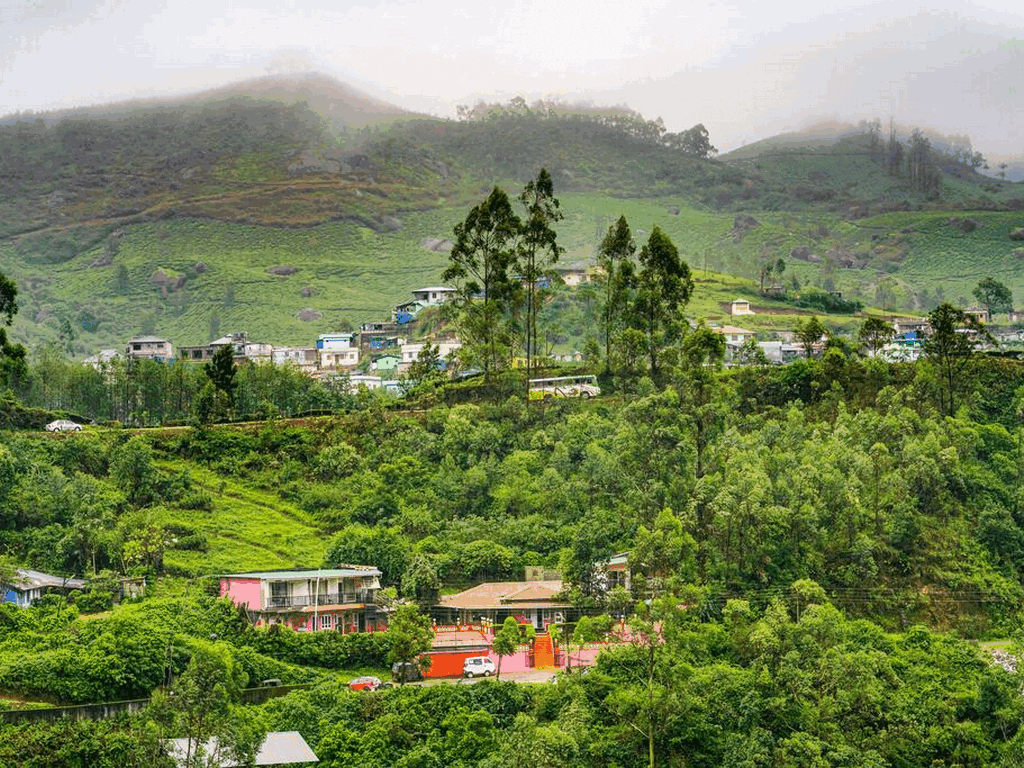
(261, 209)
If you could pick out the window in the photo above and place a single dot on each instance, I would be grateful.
(327, 621)
(279, 593)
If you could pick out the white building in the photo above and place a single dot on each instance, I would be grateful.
(433, 296)
(304, 358)
(411, 352)
(740, 307)
(734, 335)
(150, 347)
(337, 350)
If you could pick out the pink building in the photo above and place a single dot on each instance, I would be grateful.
(341, 599)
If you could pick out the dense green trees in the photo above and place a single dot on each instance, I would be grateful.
(952, 340)
(738, 482)
(500, 263)
(12, 356)
(147, 393)
(664, 286)
(479, 262)
(615, 257)
(785, 680)
(993, 295)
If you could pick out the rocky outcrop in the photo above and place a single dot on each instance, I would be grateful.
(309, 162)
(283, 269)
(803, 253)
(1017, 234)
(308, 315)
(166, 281)
(743, 224)
(436, 244)
(964, 225)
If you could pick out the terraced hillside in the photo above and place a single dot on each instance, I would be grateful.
(264, 215)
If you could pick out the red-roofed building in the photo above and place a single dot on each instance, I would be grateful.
(530, 602)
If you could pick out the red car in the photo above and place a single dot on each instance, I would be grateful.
(366, 683)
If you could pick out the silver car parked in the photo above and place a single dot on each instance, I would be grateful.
(63, 425)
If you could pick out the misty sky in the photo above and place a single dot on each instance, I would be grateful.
(744, 69)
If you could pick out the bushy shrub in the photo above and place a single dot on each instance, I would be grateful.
(329, 650)
(828, 302)
(94, 601)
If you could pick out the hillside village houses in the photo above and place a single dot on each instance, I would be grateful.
(385, 351)
(343, 598)
(27, 586)
(383, 347)
(151, 348)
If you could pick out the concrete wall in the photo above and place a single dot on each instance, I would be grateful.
(242, 592)
(449, 664)
(108, 709)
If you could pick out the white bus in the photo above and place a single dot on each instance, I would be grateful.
(564, 386)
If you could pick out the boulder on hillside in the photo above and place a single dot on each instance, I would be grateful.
(1017, 234)
(308, 315)
(743, 224)
(438, 166)
(306, 292)
(283, 269)
(311, 162)
(436, 244)
(964, 225)
(390, 224)
(199, 267)
(167, 281)
(803, 253)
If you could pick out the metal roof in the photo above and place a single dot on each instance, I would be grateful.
(279, 748)
(507, 594)
(343, 571)
(29, 579)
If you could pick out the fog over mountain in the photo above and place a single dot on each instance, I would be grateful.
(746, 71)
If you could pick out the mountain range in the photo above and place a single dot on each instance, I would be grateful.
(291, 205)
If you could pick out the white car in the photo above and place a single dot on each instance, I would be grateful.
(478, 665)
(63, 425)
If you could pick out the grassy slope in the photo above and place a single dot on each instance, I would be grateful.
(247, 530)
(357, 274)
(357, 269)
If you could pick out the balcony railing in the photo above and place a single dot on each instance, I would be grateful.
(328, 598)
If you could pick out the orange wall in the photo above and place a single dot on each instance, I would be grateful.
(450, 664)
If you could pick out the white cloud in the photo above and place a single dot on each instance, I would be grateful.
(750, 63)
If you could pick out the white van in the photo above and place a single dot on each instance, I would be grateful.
(478, 665)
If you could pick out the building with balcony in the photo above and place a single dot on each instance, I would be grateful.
(244, 350)
(150, 348)
(341, 599)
